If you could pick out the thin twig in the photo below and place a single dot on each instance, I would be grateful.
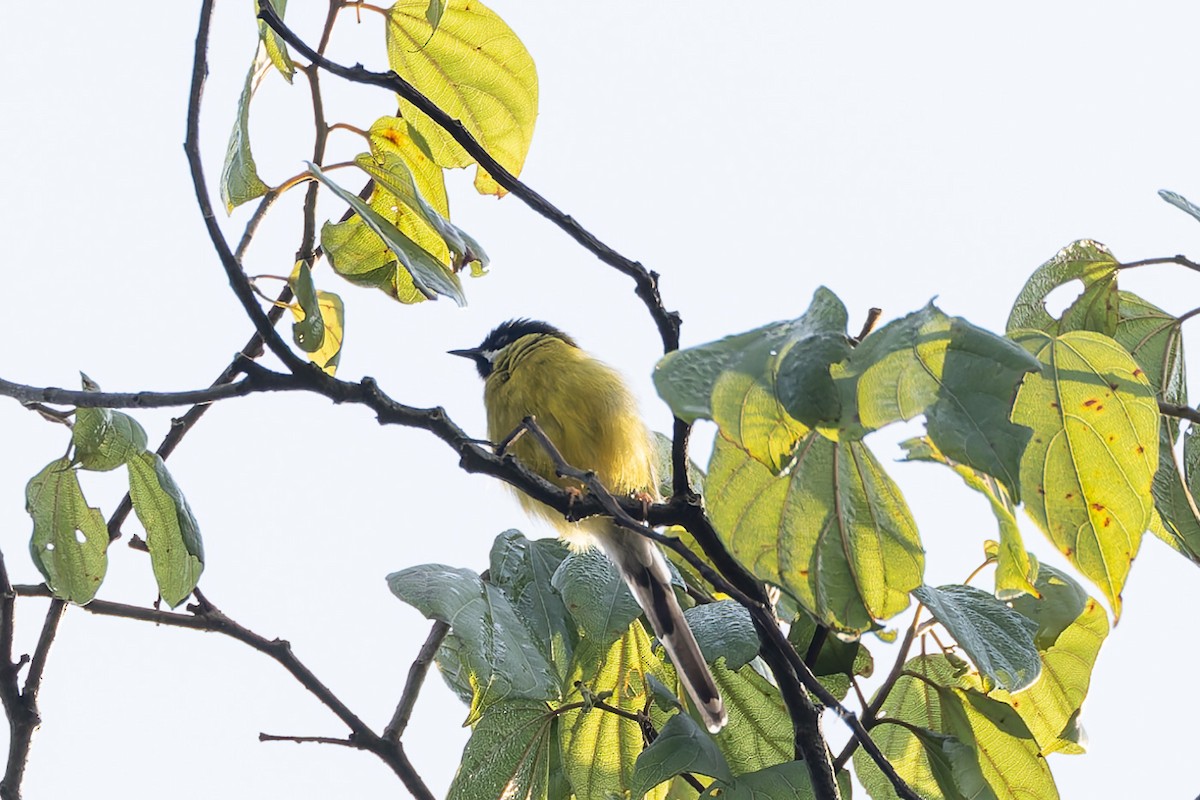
(1181, 260)
(84, 399)
(271, 737)
(873, 315)
(416, 677)
(205, 616)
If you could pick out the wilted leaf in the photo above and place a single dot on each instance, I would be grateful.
(239, 176)
(429, 276)
(276, 48)
(1014, 570)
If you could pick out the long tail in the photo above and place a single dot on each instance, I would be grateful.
(645, 571)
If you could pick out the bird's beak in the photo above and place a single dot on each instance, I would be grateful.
(472, 353)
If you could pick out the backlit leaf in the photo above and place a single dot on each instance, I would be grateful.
(239, 176)
(172, 535)
(1086, 261)
(1088, 469)
(106, 439)
(962, 378)
(733, 381)
(475, 69)
(429, 276)
(320, 317)
(834, 532)
(759, 732)
(70, 540)
(596, 596)
(508, 754)
(275, 46)
(599, 748)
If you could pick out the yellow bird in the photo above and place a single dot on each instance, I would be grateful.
(533, 369)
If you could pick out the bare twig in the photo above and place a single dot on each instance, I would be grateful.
(1182, 412)
(873, 315)
(416, 677)
(85, 399)
(1181, 260)
(205, 616)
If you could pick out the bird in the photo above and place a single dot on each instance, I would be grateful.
(533, 369)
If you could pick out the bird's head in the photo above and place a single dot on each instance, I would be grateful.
(504, 335)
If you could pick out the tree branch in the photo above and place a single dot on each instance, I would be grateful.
(416, 677)
(1181, 260)
(645, 281)
(1182, 412)
(205, 616)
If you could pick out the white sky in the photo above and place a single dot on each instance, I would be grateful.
(747, 152)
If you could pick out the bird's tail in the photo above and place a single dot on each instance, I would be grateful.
(645, 571)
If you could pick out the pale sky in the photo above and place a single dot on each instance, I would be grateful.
(892, 152)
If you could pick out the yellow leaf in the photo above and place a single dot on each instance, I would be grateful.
(475, 69)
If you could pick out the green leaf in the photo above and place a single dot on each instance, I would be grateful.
(70, 540)
(308, 332)
(1155, 340)
(1088, 469)
(239, 176)
(523, 569)
(429, 276)
(1014, 569)
(105, 439)
(759, 732)
(1180, 202)
(599, 748)
(476, 70)
(834, 532)
(734, 381)
(508, 754)
(594, 593)
(502, 662)
(961, 377)
(724, 630)
(662, 449)
(997, 639)
(1086, 261)
(682, 746)
(172, 535)
(1050, 708)
(276, 48)
(1057, 601)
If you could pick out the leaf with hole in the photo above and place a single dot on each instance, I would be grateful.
(70, 540)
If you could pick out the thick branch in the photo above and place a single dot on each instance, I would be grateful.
(1182, 412)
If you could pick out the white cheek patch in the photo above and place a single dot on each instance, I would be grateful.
(490, 355)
